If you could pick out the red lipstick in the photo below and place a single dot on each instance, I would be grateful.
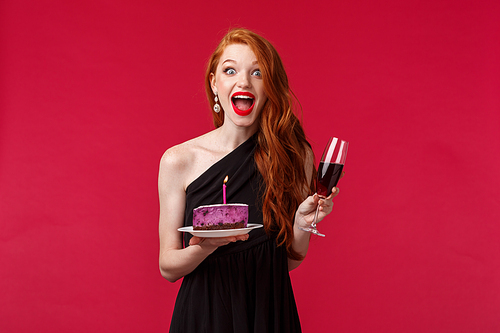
(242, 95)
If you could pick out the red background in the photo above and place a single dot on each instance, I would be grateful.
(93, 92)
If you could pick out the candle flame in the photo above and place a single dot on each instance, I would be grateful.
(225, 179)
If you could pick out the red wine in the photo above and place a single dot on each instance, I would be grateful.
(328, 177)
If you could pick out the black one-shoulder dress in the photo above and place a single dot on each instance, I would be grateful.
(243, 286)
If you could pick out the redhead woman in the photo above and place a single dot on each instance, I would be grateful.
(240, 283)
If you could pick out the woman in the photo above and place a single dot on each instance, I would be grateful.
(240, 283)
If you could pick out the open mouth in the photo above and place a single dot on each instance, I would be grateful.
(243, 103)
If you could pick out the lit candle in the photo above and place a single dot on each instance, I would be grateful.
(224, 190)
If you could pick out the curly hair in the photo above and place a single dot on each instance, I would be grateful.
(281, 143)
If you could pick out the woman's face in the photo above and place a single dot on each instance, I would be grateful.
(239, 85)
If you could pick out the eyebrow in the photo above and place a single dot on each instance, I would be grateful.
(234, 61)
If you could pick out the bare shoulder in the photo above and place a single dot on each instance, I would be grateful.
(179, 158)
(175, 157)
(185, 161)
(179, 155)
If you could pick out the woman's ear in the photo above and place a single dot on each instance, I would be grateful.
(212, 83)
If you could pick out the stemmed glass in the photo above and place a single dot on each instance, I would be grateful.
(329, 172)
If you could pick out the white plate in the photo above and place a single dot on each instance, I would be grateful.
(221, 233)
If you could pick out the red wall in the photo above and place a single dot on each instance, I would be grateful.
(93, 92)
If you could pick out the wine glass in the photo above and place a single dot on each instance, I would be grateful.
(329, 172)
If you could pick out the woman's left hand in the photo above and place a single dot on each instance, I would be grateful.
(307, 209)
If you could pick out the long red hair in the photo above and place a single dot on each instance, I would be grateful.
(282, 146)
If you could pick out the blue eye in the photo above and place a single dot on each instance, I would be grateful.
(229, 71)
(257, 73)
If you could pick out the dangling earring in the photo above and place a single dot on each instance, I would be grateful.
(216, 105)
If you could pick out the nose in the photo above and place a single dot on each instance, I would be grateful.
(244, 81)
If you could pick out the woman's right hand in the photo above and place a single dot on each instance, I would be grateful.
(215, 242)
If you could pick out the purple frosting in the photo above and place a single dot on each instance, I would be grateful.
(212, 215)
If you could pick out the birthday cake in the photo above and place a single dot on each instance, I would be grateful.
(219, 217)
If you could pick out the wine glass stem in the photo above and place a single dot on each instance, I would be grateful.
(313, 224)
